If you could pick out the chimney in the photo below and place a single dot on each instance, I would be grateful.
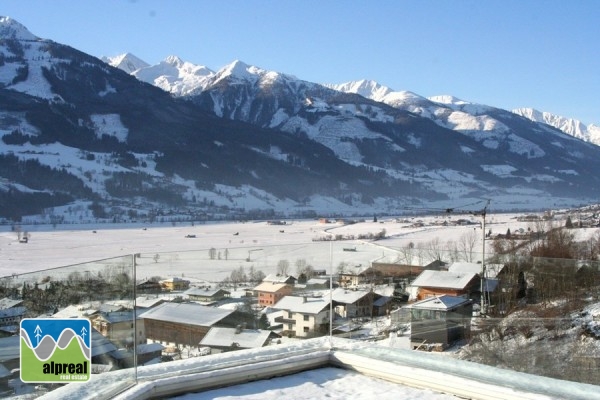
(304, 299)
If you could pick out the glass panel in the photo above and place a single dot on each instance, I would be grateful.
(101, 291)
(527, 305)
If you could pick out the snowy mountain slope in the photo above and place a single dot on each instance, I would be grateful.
(73, 128)
(369, 125)
(246, 140)
(589, 133)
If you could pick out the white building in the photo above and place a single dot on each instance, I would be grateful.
(304, 316)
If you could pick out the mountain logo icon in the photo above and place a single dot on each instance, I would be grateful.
(56, 350)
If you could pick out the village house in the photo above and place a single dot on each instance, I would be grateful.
(149, 286)
(269, 293)
(352, 303)
(365, 276)
(406, 272)
(437, 322)
(185, 323)
(11, 314)
(274, 278)
(303, 316)
(118, 326)
(229, 339)
(207, 295)
(175, 284)
(436, 283)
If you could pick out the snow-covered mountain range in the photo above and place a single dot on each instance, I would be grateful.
(184, 78)
(589, 133)
(135, 140)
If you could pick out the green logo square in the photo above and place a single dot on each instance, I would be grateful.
(56, 350)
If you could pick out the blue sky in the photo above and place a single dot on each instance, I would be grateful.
(543, 54)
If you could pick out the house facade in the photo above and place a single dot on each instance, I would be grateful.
(440, 321)
(269, 293)
(184, 323)
(303, 316)
(117, 326)
(352, 303)
(175, 284)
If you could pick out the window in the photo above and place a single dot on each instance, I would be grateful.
(306, 329)
(306, 317)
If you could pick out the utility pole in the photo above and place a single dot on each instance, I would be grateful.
(482, 213)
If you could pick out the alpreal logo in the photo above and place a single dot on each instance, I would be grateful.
(55, 350)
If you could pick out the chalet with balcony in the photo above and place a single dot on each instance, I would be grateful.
(118, 327)
(303, 316)
(352, 303)
(175, 284)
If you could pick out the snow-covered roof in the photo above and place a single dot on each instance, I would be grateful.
(149, 348)
(279, 278)
(115, 317)
(100, 344)
(303, 305)
(443, 302)
(465, 267)
(186, 313)
(76, 311)
(317, 281)
(148, 302)
(443, 279)
(346, 296)
(12, 312)
(270, 287)
(8, 303)
(245, 338)
(205, 292)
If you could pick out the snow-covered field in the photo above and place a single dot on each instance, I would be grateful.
(182, 250)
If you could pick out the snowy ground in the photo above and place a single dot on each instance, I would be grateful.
(324, 383)
(183, 250)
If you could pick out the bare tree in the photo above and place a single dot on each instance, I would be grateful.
(408, 252)
(283, 267)
(212, 253)
(237, 276)
(434, 249)
(466, 245)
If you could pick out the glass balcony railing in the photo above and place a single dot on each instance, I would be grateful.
(517, 313)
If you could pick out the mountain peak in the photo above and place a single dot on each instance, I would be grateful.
(364, 87)
(127, 62)
(11, 29)
(447, 99)
(571, 126)
(174, 60)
